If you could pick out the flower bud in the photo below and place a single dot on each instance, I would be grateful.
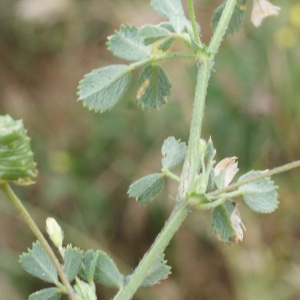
(55, 232)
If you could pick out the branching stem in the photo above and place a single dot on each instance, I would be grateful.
(181, 210)
(30, 222)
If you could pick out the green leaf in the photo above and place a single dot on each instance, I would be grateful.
(173, 152)
(153, 33)
(166, 44)
(73, 260)
(146, 188)
(173, 10)
(210, 151)
(158, 272)
(236, 19)
(89, 265)
(16, 157)
(226, 223)
(260, 195)
(107, 272)
(101, 89)
(37, 263)
(154, 87)
(127, 43)
(85, 291)
(52, 293)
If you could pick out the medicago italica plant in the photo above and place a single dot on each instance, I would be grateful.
(202, 185)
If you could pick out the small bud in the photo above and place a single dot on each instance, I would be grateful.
(55, 232)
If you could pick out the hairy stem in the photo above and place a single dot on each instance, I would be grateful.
(181, 210)
(30, 222)
(178, 215)
(193, 21)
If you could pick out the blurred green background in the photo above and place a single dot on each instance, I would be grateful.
(86, 161)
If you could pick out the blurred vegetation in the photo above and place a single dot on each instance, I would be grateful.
(86, 161)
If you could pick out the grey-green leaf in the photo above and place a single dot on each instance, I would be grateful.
(154, 87)
(261, 195)
(236, 19)
(89, 266)
(107, 272)
(159, 271)
(84, 290)
(46, 294)
(101, 89)
(146, 188)
(73, 260)
(173, 10)
(37, 263)
(166, 44)
(173, 152)
(226, 223)
(127, 43)
(153, 33)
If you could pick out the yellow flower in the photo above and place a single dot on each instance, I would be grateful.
(262, 9)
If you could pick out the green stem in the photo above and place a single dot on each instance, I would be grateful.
(190, 167)
(193, 21)
(220, 200)
(178, 215)
(205, 66)
(263, 174)
(171, 175)
(161, 57)
(30, 222)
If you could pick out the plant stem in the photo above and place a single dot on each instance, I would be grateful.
(263, 174)
(30, 222)
(190, 167)
(191, 162)
(161, 57)
(178, 215)
(193, 21)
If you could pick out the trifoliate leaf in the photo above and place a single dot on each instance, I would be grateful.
(16, 157)
(85, 291)
(127, 43)
(226, 223)
(173, 10)
(154, 87)
(101, 89)
(146, 188)
(260, 195)
(236, 19)
(107, 272)
(173, 152)
(73, 260)
(89, 265)
(52, 293)
(37, 263)
(153, 33)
